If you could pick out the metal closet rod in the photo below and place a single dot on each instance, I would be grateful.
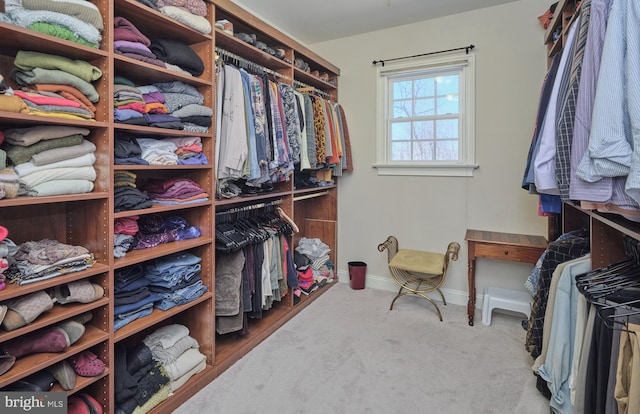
(312, 195)
(466, 48)
(226, 53)
(250, 207)
(231, 55)
(312, 89)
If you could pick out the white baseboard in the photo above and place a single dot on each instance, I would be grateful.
(456, 297)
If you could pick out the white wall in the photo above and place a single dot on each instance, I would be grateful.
(428, 212)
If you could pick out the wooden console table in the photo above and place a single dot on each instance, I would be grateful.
(501, 246)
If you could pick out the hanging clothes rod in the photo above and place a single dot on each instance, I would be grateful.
(310, 88)
(312, 195)
(466, 48)
(225, 53)
(250, 207)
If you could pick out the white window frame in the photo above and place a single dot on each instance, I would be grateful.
(430, 65)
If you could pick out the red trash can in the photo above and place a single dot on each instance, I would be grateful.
(357, 274)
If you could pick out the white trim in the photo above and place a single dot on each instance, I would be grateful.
(430, 170)
(466, 165)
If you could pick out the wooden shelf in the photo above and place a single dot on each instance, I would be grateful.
(160, 208)
(88, 219)
(155, 24)
(30, 364)
(139, 256)
(12, 290)
(234, 45)
(31, 40)
(143, 73)
(157, 316)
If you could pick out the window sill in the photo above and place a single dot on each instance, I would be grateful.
(422, 170)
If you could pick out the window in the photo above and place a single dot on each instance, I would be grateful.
(425, 117)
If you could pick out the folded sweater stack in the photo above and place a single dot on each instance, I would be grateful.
(51, 160)
(78, 21)
(171, 105)
(56, 86)
(178, 353)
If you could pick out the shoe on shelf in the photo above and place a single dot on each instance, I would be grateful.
(73, 329)
(26, 309)
(87, 364)
(64, 374)
(6, 362)
(51, 339)
(83, 318)
(3, 312)
(41, 381)
(81, 291)
(82, 403)
(225, 25)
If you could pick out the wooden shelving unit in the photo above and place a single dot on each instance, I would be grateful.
(88, 219)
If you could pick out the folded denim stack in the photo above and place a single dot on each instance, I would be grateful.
(178, 352)
(131, 296)
(175, 279)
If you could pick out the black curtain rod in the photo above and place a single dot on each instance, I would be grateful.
(466, 48)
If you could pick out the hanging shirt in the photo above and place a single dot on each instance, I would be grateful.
(616, 102)
(544, 164)
(599, 191)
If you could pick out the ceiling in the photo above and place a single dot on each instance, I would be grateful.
(312, 21)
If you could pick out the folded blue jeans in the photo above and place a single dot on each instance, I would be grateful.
(121, 322)
(182, 296)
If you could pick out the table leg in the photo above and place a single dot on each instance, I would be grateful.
(471, 305)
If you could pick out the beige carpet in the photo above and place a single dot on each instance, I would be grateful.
(347, 353)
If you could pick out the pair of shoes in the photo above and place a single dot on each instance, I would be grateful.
(224, 25)
(83, 318)
(64, 374)
(81, 291)
(250, 38)
(26, 309)
(83, 403)
(87, 364)
(73, 329)
(3, 312)
(279, 52)
(39, 382)
(6, 362)
(312, 288)
(51, 339)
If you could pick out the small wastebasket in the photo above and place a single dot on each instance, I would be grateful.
(357, 274)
